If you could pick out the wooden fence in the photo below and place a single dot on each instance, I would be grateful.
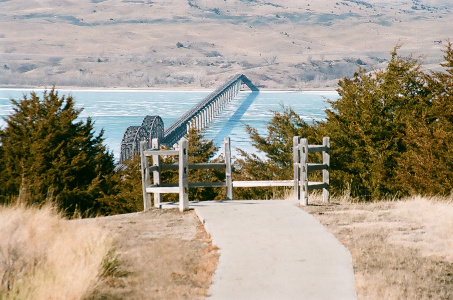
(300, 182)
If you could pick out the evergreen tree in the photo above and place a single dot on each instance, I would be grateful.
(277, 149)
(125, 194)
(49, 155)
(200, 150)
(427, 166)
(367, 125)
(391, 134)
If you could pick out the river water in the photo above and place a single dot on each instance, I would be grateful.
(115, 110)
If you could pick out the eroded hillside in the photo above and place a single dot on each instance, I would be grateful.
(289, 44)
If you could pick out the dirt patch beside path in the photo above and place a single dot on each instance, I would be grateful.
(161, 254)
(400, 249)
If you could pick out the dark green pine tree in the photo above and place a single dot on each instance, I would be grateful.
(277, 148)
(125, 194)
(200, 150)
(367, 126)
(47, 154)
(427, 168)
(391, 134)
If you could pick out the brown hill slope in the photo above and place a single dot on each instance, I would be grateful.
(196, 43)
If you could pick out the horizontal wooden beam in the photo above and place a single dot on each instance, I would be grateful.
(207, 166)
(312, 185)
(201, 166)
(263, 183)
(174, 188)
(153, 168)
(317, 148)
(160, 152)
(317, 167)
(165, 167)
(206, 184)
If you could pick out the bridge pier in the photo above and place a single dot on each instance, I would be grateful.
(205, 111)
(198, 117)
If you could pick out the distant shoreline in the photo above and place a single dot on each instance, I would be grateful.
(175, 89)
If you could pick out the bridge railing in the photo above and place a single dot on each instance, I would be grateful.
(210, 105)
(299, 182)
(203, 103)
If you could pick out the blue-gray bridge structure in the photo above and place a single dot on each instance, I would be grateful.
(198, 116)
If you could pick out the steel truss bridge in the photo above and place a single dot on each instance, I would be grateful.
(198, 116)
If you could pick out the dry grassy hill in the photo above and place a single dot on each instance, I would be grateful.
(286, 44)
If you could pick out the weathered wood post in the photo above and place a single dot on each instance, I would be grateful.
(156, 173)
(304, 171)
(228, 174)
(296, 167)
(145, 176)
(183, 175)
(325, 172)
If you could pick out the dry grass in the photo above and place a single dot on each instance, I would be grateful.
(43, 256)
(162, 254)
(400, 249)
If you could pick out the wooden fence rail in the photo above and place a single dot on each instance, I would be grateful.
(301, 185)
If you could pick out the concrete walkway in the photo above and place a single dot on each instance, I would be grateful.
(272, 249)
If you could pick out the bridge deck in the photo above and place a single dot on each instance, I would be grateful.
(230, 88)
(199, 115)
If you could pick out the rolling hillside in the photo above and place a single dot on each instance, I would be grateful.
(286, 44)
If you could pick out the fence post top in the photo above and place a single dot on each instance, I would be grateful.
(143, 145)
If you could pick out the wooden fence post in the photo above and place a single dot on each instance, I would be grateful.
(183, 175)
(156, 173)
(228, 174)
(304, 171)
(296, 167)
(145, 176)
(325, 172)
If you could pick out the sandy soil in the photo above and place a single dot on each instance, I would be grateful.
(162, 254)
(166, 44)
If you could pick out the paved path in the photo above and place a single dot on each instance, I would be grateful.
(272, 249)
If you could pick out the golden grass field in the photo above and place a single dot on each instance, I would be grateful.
(160, 254)
(400, 250)
(169, 44)
(43, 256)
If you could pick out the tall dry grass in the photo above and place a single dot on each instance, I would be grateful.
(43, 256)
(400, 249)
(432, 223)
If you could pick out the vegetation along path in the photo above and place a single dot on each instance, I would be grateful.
(161, 254)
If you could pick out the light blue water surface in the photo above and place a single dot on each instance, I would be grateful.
(115, 110)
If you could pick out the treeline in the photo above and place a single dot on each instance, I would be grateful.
(391, 135)
(48, 155)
